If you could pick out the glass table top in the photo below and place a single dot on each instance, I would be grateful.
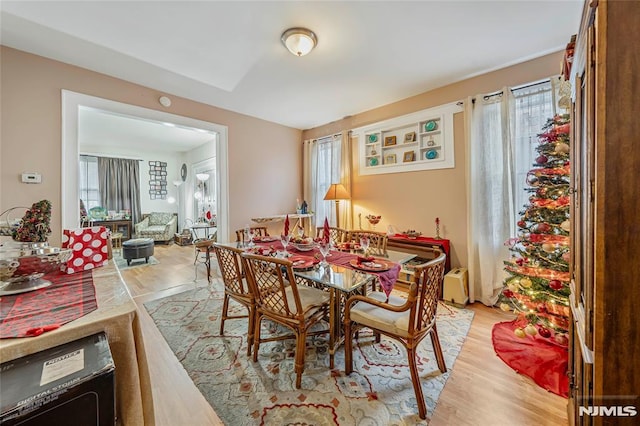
(340, 277)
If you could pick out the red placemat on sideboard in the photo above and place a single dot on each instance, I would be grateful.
(69, 297)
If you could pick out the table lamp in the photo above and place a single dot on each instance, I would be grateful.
(337, 192)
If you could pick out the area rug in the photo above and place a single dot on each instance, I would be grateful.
(542, 360)
(135, 263)
(378, 392)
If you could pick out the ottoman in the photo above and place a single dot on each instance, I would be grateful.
(137, 248)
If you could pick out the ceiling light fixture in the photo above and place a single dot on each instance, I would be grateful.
(299, 41)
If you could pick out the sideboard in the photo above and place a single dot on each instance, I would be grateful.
(421, 246)
(122, 226)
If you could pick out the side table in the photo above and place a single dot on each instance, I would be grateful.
(116, 241)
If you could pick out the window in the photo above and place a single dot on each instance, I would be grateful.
(533, 107)
(88, 181)
(328, 159)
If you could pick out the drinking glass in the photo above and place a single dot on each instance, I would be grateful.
(364, 243)
(324, 247)
(250, 234)
(284, 239)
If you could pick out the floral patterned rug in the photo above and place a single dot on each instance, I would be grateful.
(378, 392)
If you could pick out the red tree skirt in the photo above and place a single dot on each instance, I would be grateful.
(536, 357)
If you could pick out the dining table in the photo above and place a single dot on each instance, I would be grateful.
(344, 274)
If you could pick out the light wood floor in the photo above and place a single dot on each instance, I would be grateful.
(481, 389)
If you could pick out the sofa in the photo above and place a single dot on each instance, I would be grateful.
(160, 226)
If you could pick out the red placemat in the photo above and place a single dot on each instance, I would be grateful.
(69, 297)
(387, 278)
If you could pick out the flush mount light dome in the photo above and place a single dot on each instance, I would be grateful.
(299, 41)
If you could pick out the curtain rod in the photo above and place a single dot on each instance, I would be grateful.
(499, 93)
(89, 154)
(513, 89)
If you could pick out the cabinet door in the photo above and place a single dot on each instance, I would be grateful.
(124, 228)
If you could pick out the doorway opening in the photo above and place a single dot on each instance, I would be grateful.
(73, 107)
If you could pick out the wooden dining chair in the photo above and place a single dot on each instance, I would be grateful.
(336, 235)
(230, 263)
(377, 240)
(259, 231)
(405, 320)
(280, 299)
(203, 255)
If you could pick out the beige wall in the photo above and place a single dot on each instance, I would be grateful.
(30, 138)
(415, 199)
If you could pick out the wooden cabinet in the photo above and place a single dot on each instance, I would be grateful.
(419, 141)
(121, 225)
(605, 234)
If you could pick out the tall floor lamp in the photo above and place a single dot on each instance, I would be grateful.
(177, 184)
(337, 192)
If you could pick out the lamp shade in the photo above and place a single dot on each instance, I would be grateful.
(337, 191)
(299, 41)
(202, 176)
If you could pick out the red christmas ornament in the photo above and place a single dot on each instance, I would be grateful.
(519, 261)
(555, 284)
(541, 192)
(542, 308)
(543, 228)
(542, 159)
(544, 332)
(562, 128)
(522, 224)
(507, 293)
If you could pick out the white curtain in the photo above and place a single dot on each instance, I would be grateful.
(491, 212)
(501, 139)
(346, 167)
(309, 175)
(323, 165)
(533, 107)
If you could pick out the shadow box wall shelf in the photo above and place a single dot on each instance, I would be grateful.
(421, 140)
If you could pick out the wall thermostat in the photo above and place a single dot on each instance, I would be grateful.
(31, 178)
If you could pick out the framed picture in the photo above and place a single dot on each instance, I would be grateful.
(409, 156)
(410, 137)
(390, 159)
(389, 140)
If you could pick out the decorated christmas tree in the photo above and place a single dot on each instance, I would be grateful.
(537, 287)
(35, 224)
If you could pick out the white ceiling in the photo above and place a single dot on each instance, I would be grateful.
(102, 128)
(229, 54)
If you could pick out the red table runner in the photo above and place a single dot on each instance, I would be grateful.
(69, 297)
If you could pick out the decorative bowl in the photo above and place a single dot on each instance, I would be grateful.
(22, 266)
(304, 246)
(410, 233)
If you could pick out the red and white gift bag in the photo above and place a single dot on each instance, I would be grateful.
(89, 248)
